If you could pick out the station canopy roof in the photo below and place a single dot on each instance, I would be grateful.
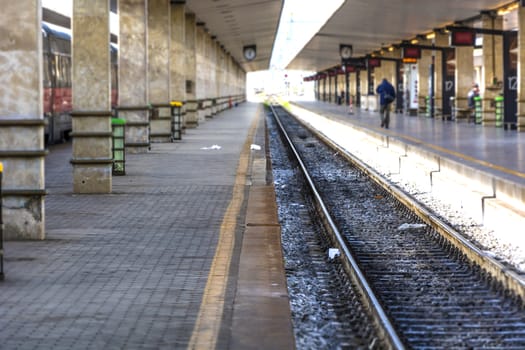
(368, 25)
(240, 23)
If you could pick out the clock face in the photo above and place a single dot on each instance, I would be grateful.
(346, 51)
(249, 53)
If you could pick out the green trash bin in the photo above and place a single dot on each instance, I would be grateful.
(499, 110)
(176, 120)
(477, 110)
(118, 127)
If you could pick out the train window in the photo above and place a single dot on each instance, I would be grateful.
(67, 61)
(62, 72)
(47, 72)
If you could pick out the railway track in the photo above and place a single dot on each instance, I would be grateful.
(424, 291)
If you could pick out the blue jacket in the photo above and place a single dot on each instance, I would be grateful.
(384, 89)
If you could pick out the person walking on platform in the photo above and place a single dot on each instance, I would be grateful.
(387, 95)
(474, 92)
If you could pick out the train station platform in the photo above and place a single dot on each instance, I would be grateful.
(184, 253)
(494, 150)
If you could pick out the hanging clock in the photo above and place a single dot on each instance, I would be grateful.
(345, 51)
(249, 52)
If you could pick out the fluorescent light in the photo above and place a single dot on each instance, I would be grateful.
(300, 21)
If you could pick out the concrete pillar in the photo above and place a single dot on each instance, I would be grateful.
(521, 69)
(464, 74)
(363, 77)
(191, 72)
(330, 86)
(352, 88)
(227, 79)
(209, 74)
(178, 53)
(492, 68)
(388, 69)
(200, 60)
(92, 141)
(159, 22)
(220, 85)
(216, 107)
(324, 89)
(133, 74)
(21, 120)
(424, 76)
(441, 40)
(225, 88)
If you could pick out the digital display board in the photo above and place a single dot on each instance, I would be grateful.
(462, 38)
(412, 52)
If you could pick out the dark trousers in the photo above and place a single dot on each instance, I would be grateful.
(385, 114)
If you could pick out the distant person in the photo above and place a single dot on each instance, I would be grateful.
(387, 95)
(473, 92)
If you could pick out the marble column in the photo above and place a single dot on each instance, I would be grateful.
(133, 74)
(352, 93)
(521, 69)
(362, 76)
(492, 68)
(190, 70)
(21, 120)
(424, 76)
(159, 28)
(92, 155)
(464, 74)
(442, 40)
(389, 68)
(178, 53)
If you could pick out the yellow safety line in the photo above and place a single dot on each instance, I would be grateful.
(464, 156)
(207, 326)
(444, 150)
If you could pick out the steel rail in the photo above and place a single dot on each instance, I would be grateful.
(509, 278)
(347, 257)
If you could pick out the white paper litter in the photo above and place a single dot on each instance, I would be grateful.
(212, 147)
(407, 226)
(333, 253)
(255, 147)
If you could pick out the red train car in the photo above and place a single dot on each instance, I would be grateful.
(57, 82)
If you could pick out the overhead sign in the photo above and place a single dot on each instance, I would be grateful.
(462, 38)
(412, 52)
(373, 62)
(357, 63)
